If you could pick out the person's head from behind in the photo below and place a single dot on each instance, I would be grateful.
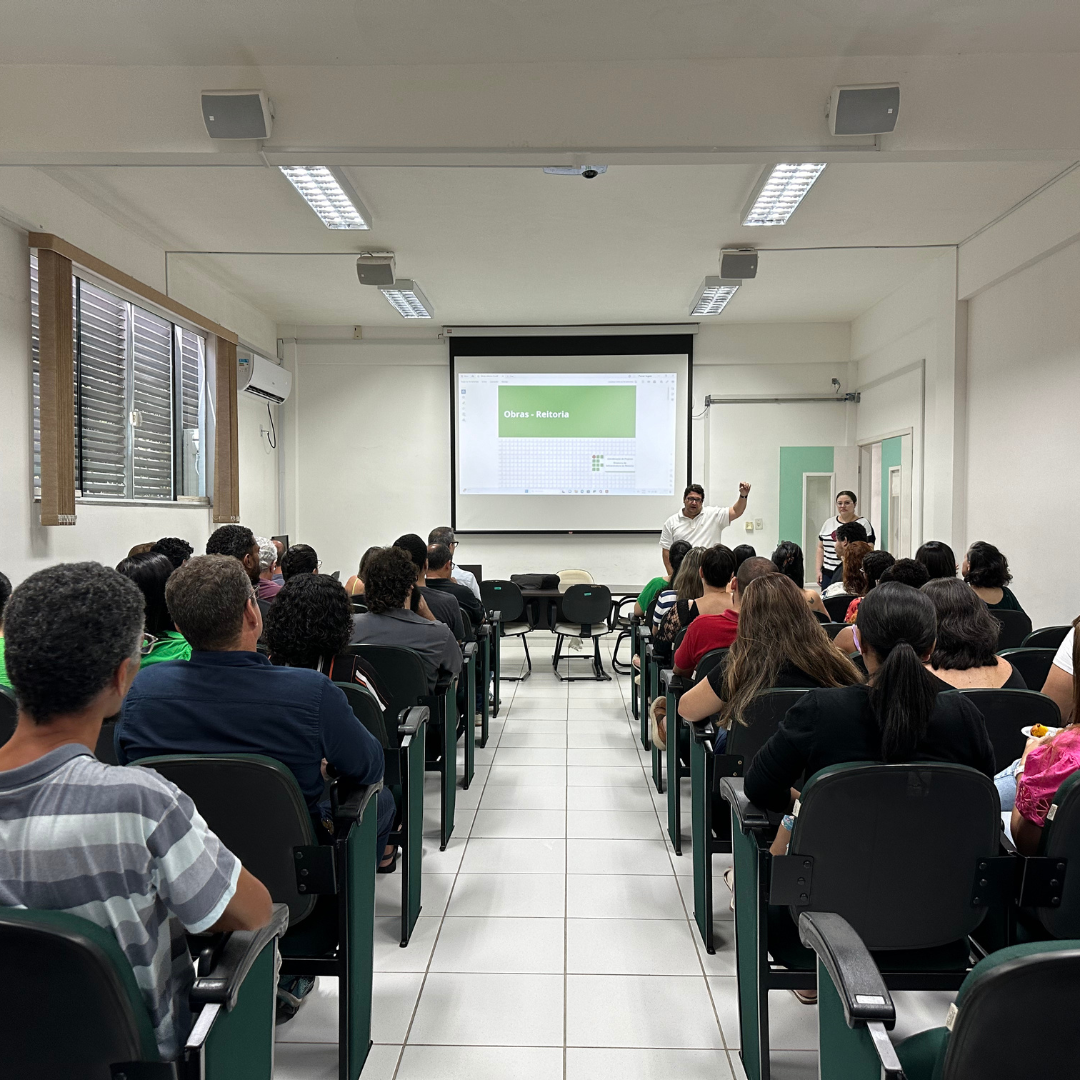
(365, 559)
(90, 616)
(443, 535)
(693, 499)
(717, 567)
(895, 630)
(177, 551)
(742, 553)
(390, 580)
(439, 561)
(676, 553)
(139, 549)
(5, 596)
(846, 501)
(309, 620)
(150, 571)
(212, 602)
(788, 559)
(938, 558)
(854, 576)
(777, 627)
(875, 563)
(416, 549)
(687, 582)
(750, 571)
(985, 567)
(905, 572)
(299, 559)
(850, 532)
(268, 557)
(237, 541)
(967, 634)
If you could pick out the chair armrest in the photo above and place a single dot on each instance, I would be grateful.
(750, 817)
(410, 720)
(483, 630)
(348, 799)
(636, 620)
(644, 632)
(704, 732)
(672, 683)
(233, 960)
(469, 651)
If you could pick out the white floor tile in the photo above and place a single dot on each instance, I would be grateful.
(531, 726)
(614, 824)
(434, 892)
(625, 797)
(617, 857)
(521, 736)
(605, 756)
(441, 862)
(394, 996)
(603, 776)
(595, 1063)
(530, 755)
(490, 1010)
(630, 947)
(612, 736)
(493, 856)
(500, 945)
(622, 896)
(792, 1025)
(520, 823)
(481, 1063)
(319, 1061)
(390, 956)
(507, 797)
(526, 775)
(509, 895)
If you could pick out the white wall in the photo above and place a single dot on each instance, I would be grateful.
(31, 199)
(370, 459)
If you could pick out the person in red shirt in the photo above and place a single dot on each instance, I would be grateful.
(708, 632)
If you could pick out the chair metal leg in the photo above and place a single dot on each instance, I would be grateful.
(528, 672)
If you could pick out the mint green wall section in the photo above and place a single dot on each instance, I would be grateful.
(890, 459)
(794, 461)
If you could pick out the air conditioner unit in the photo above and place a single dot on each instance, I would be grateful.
(263, 378)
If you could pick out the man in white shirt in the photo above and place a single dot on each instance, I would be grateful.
(445, 535)
(697, 524)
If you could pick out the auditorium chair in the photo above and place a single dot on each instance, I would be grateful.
(403, 773)
(837, 606)
(1033, 664)
(833, 628)
(1048, 637)
(1015, 627)
(484, 638)
(505, 598)
(1014, 1014)
(403, 675)
(256, 808)
(585, 611)
(618, 620)
(913, 871)
(74, 1010)
(1006, 712)
(9, 714)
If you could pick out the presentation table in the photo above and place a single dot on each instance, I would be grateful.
(543, 607)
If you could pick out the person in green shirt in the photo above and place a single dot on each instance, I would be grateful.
(676, 553)
(150, 570)
(5, 592)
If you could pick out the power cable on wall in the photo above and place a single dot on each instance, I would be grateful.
(271, 435)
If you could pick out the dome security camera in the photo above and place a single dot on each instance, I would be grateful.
(590, 174)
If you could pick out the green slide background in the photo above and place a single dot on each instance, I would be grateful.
(596, 412)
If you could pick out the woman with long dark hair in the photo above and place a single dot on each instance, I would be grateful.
(150, 570)
(938, 558)
(788, 559)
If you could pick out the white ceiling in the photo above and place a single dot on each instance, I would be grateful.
(507, 245)
(276, 32)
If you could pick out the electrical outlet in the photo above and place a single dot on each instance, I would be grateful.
(758, 523)
(749, 526)
(357, 332)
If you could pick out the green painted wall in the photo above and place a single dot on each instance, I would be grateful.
(890, 459)
(794, 461)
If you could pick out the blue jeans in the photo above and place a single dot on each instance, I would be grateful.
(1005, 781)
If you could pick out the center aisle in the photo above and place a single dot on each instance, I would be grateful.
(556, 938)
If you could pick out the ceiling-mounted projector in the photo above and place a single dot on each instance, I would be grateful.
(376, 270)
(237, 114)
(870, 109)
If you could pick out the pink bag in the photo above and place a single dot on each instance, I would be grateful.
(1046, 769)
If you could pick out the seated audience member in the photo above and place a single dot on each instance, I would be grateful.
(964, 654)
(151, 571)
(310, 624)
(355, 585)
(444, 607)
(439, 568)
(239, 542)
(140, 549)
(299, 559)
(445, 535)
(267, 588)
(852, 578)
(849, 532)
(1060, 683)
(779, 643)
(123, 848)
(1046, 764)
(687, 590)
(742, 553)
(709, 631)
(389, 620)
(938, 558)
(666, 597)
(656, 586)
(902, 572)
(788, 559)
(986, 570)
(229, 699)
(875, 563)
(5, 595)
(177, 551)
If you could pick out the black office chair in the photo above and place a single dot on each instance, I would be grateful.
(9, 714)
(505, 597)
(1006, 712)
(820, 616)
(256, 808)
(620, 620)
(1048, 637)
(833, 628)
(1033, 664)
(981, 1040)
(585, 610)
(78, 1012)
(105, 750)
(837, 606)
(1015, 627)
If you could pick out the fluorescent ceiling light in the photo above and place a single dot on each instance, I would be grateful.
(330, 195)
(590, 172)
(407, 299)
(713, 295)
(779, 192)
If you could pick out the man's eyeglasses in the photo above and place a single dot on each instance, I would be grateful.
(693, 498)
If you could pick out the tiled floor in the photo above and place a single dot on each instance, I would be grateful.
(556, 940)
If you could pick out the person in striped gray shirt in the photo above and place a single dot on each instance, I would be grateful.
(121, 847)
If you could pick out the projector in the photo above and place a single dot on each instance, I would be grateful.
(237, 114)
(870, 109)
(376, 270)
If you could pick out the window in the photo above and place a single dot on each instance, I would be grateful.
(140, 396)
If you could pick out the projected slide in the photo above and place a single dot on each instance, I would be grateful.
(566, 434)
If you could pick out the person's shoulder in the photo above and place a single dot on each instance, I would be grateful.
(133, 789)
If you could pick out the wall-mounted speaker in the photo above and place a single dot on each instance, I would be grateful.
(237, 114)
(864, 110)
(738, 263)
(377, 270)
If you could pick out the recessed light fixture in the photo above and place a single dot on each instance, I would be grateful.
(590, 172)
(330, 195)
(407, 299)
(713, 295)
(779, 192)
